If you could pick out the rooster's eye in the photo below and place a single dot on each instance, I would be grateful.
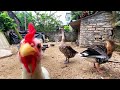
(38, 46)
(32, 44)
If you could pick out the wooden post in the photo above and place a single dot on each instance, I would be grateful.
(25, 20)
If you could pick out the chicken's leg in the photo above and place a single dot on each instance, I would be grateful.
(97, 66)
(66, 61)
(94, 65)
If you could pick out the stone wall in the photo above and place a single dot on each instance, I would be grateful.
(56, 36)
(95, 29)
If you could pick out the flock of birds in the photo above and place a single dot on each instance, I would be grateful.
(30, 54)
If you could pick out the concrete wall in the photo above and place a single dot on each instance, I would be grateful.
(95, 29)
(3, 42)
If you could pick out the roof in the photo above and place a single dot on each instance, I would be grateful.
(92, 15)
(76, 24)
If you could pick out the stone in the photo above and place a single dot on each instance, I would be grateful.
(91, 20)
(82, 25)
(97, 31)
(83, 28)
(85, 22)
(100, 19)
(99, 28)
(101, 23)
(91, 28)
(82, 31)
(5, 53)
(107, 26)
(90, 31)
(108, 18)
(92, 24)
(107, 15)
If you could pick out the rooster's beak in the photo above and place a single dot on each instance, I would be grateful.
(26, 49)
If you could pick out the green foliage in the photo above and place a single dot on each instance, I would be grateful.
(77, 14)
(117, 18)
(117, 23)
(29, 18)
(117, 15)
(46, 23)
(6, 23)
(66, 28)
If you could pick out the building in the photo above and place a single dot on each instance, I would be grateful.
(94, 29)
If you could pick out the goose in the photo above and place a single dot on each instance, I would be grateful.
(100, 53)
(67, 50)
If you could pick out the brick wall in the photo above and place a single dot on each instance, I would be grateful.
(95, 29)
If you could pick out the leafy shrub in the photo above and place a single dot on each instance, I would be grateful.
(6, 23)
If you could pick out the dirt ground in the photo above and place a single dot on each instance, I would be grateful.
(78, 68)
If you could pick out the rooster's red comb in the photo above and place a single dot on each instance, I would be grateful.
(31, 32)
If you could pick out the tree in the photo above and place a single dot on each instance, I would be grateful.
(116, 18)
(44, 22)
(6, 23)
(67, 28)
(29, 18)
(47, 22)
(78, 14)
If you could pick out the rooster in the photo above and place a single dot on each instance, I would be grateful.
(101, 53)
(67, 50)
(30, 56)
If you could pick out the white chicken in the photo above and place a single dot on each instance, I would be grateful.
(30, 56)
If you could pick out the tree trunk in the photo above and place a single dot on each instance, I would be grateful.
(18, 34)
(114, 18)
(113, 23)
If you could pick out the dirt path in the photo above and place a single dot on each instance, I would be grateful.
(78, 68)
